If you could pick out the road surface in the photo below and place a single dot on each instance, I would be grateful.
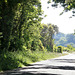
(64, 65)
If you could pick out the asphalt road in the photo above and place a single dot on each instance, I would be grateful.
(64, 65)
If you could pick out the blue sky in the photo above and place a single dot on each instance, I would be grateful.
(66, 25)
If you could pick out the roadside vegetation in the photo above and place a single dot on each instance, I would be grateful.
(61, 49)
(69, 48)
(18, 59)
(23, 39)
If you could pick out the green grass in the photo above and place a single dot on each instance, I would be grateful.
(12, 60)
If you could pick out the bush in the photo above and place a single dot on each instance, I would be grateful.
(12, 60)
(60, 49)
(54, 48)
(66, 49)
(69, 49)
(7, 62)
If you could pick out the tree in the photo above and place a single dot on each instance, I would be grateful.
(19, 23)
(47, 35)
(67, 4)
(64, 39)
(69, 46)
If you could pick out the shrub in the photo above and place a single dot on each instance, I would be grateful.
(12, 60)
(60, 49)
(54, 48)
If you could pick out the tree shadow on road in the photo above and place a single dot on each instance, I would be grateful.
(52, 67)
(34, 69)
(26, 73)
(18, 72)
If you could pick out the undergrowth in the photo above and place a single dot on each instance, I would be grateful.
(12, 60)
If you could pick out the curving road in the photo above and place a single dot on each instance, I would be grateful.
(64, 65)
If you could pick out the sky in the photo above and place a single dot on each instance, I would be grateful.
(66, 25)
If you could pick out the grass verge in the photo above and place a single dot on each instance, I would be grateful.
(12, 60)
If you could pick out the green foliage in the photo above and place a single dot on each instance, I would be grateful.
(8, 62)
(47, 35)
(67, 4)
(22, 39)
(64, 39)
(66, 49)
(55, 48)
(69, 48)
(60, 49)
(20, 24)
(12, 60)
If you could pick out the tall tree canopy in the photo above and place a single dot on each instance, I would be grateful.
(67, 4)
(47, 35)
(20, 25)
(19, 22)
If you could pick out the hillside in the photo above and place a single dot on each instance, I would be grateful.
(64, 39)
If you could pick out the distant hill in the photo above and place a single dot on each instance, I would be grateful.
(64, 39)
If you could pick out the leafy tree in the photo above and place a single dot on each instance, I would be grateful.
(69, 46)
(20, 23)
(64, 39)
(70, 38)
(67, 4)
(47, 35)
(60, 49)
